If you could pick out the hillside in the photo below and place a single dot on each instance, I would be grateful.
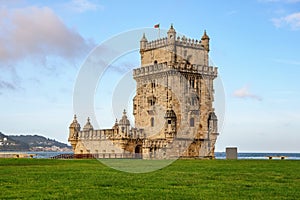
(9, 144)
(30, 143)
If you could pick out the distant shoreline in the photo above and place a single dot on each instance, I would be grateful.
(218, 155)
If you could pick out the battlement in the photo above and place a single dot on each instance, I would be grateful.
(181, 67)
(180, 41)
(188, 42)
(162, 42)
(105, 134)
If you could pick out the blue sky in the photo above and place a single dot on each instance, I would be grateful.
(254, 43)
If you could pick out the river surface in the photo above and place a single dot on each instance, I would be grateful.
(218, 155)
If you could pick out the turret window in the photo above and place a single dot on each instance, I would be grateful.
(151, 101)
(192, 122)
(194, 100)
(153, 84)
(152, 121)
(169, 121)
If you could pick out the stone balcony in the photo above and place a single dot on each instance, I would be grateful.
(180, 67)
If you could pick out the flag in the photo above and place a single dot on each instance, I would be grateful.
(156, 26)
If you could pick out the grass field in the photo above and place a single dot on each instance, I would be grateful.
(184, 179)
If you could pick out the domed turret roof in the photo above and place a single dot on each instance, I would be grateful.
(75, 123)
(205, 36)
(116, 125)
(213, 116)
(171, 30)
(124, 120)
(144, 39)
(88, 126)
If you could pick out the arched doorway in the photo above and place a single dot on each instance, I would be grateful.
(138, 151)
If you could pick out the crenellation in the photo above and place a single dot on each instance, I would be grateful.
(184, 67)
(181, 41)
(161, 42)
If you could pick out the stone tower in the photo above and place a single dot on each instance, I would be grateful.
(174, 96)
(173, 106)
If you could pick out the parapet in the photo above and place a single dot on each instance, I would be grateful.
(188, 42)
(180, 41)
(180, 67)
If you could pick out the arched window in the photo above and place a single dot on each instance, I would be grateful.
(153, 84)
(192, 122)
(152, 121)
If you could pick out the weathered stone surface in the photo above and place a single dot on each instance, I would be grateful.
(173, 106)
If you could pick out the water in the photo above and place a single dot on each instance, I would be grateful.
(45, 154)
(260, 156)
(218, 155)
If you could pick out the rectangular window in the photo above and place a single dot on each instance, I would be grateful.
(152, 121)
(192, 122)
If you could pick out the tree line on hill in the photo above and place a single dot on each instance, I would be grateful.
(30, 143)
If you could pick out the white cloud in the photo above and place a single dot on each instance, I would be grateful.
(292, 20)
(245, 94)
(6, 85)
(83, 6)
(231, 12)
(280, 1)
(288, 62)
(36, 33)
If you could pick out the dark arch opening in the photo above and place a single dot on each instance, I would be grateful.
(138, 151)
(192, 122)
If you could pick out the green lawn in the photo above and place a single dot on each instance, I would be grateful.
(183, 179)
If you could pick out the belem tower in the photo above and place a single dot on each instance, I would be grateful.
(173, 106)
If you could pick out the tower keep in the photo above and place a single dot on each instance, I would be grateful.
(174, 96)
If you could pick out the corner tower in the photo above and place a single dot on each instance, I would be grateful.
(74, 129)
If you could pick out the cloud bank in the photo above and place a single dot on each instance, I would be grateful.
(6, 85)
(280, 1)
(244, 93)
(81, 6)
(36, 33)
(292, 20)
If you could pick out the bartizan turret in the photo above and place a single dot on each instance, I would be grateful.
(74, 129)
(205, 41)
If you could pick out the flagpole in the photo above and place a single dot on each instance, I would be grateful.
(158, 32)
(157, 26)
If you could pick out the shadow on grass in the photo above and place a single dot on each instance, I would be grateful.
(136, 165)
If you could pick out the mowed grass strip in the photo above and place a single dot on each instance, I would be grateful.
(183, 179)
